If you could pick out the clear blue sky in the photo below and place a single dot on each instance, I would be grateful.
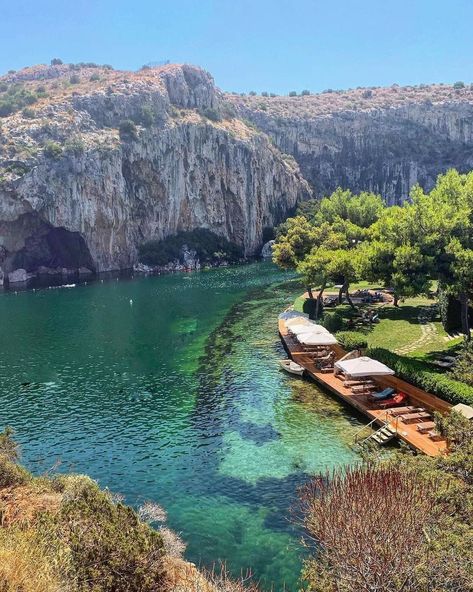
(272, 45)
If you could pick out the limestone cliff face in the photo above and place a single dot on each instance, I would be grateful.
(93, 204)
(385, 147)
(104, 160)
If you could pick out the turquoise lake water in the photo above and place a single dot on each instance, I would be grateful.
(176, 398)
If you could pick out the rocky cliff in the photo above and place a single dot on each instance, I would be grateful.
(381, 140)
(94, 162)
(78, 193)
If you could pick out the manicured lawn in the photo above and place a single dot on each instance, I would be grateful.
(402, 329)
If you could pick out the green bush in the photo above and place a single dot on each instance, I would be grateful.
(127, 130)
(52, 150)
(74, 79)
(95, 77)
(29, 113)
(147, 116)
(56, 62)
(211, 114)
(459, 85)
(75, 145)
(110, 548)
(305, 92)
(14, 98)
(293, 93)
(209, 247)
(333, 321)
(351, 340)
(425, 376)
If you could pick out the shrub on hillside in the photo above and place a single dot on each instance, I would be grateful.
(52, 149)
(74, 79)
(110, 548)
(211, 114)
(147, 116)
(459, 85)
(95, 77)
(425, 376)
(14, 98)
(293, 93)
(75, 145)
(28, 113)
(305, 93)
(127, 130)
(56, 62)
(209, 247)
(351, 340)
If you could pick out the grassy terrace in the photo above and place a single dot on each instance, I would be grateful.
(413, 329)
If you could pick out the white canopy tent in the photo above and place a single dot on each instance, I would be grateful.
(295, 321)
(312, 329)
(323, 338)
(363, 366)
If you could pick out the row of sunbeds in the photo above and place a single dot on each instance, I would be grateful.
(395, 403)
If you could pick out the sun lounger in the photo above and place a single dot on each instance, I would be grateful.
(363, 388)
(397, 411)
(395, 401)
(351, 383)
(327, 369)
(415, 417)
(435, 436)
(425, 426)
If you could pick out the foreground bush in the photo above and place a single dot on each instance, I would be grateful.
(425, 376)
(370, 524)
(397, 524)
(351, 340)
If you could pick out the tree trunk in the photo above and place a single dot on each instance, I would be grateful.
(347, 294)
(340, 292)
(309, 291)
(319, 300)
(464, 316)
(396, 299)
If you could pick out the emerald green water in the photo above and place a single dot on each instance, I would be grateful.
(176, 398)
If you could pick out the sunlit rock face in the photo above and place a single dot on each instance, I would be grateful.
(193, 165)
(385, 143)
(105, 160)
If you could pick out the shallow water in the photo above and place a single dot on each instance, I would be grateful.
(167, 389)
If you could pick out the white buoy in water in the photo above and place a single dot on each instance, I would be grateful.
(131, 302)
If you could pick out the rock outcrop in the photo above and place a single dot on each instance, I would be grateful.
(97, 196)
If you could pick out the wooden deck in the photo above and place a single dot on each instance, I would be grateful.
(406, 432)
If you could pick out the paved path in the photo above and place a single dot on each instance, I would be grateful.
(429, 331)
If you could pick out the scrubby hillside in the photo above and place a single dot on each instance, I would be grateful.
(64, 534)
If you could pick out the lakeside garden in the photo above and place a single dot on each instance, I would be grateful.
(398, 282)
(403, 277)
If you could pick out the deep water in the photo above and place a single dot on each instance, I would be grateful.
(168, 389)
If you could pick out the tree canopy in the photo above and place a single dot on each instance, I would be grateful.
(345, 237)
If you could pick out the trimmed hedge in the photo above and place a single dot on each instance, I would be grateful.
(351, 340)
(425, 376)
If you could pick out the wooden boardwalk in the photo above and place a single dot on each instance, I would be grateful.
(406, 432)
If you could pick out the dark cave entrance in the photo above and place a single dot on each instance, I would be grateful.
(53, 248)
